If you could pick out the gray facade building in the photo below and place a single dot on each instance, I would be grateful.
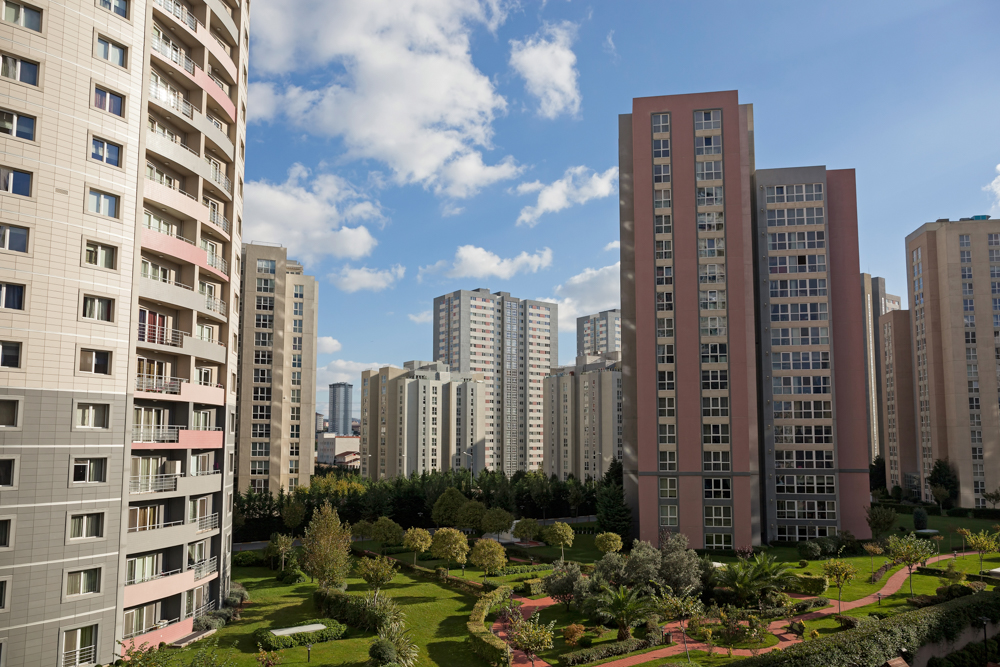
(341, 406)
(876, 302)
(600, 333)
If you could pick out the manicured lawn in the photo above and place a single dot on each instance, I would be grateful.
(472, 573)
(435, 615)
(563, 618)
(942, 523)
(582, 551)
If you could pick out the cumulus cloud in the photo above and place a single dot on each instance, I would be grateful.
(423, 317)
(406, 92)
(590, 291)
(351, 279)
(577, 186)
(321, 206)
(994, 189)
(327, 345)
(475, 262)
(341, 370)
(614, 245)
(609, 46)
(548, 65)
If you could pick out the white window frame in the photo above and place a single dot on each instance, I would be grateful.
(103, 200)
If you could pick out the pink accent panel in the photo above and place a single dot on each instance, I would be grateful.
(204, 34)
(175, 200)
(169, 634)
(174, 247)
(649, 521)
(197, 393)
(213, 90)
(743, 524)
(200, 439)
(149, 591)
(160, 445)
(692, 517)
(848, 348)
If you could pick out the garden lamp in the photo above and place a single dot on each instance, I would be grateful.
(309, 652)
(879, 596)
(986, 653)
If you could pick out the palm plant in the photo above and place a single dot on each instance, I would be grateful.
(751, 581)
(624, 607)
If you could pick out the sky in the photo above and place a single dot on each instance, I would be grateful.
(403, 149)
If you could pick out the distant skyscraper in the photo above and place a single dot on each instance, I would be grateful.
(599, 334)
(341, 395)
(876, 303)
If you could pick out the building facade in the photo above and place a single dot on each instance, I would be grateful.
(277, 393)
(583, 417)
(875, 302)
(699, 261)
(341, 406)
(901, 460)
(513, 343)
(600, 333)
(330, 445)
(420, 418)
(116, 456)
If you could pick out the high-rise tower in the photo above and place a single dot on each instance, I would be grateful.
(341, 402)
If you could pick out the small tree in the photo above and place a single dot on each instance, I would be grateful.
(146, 655)
(880, 520)
(209, 655)
(625, 607)
(840, 573)
(608, 542)
(920, 518)
(679, 608)
(471, 515)
(872, 550)
(377, 572)
(561, 535)
(362, 530)
(445, 512)
(909, 551)
(982, 543)
(560, 585)
(992, 497)
(489, 555)
(531, 637)
(450, 545)
(417, 540)
(965, 533)
(386, 531)
(281, 546)
(496, 521)
(526, 530)
(937, 542)
(326, 548)
(293, 514)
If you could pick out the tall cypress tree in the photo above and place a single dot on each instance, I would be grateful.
(613, 515)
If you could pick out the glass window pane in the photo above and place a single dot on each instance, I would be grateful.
(9, 67)
(112, 206)
(97, 150)
(29, 73)
(10, 12)
(116, 104)
(32, 19)
(121, 7)
(26, 127)
(102, 363)
(6, 122)
(100, 97)
(10, 355)
(117, 55)
(94, 202)
(17, 239)
(112, 152)
(13, 297)
(21, 184)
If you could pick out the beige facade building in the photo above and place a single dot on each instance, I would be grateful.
(599, 333)
(876, 303)
(277, 401)
(420, 418)
(123, 127)
(900, 440)
(583, 417)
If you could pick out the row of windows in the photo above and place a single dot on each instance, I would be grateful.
(797, 264)
(807, 509)
(798, 288)
(806, 484)
(801, 336)
(803, 435)
(798, 312)
(796, 240)
(800, 361)
(803, 458)
(793, 217)
(801, 384)
(779, 194)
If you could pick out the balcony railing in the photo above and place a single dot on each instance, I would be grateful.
(167, 282)
(159, 384)
(217, 219)
(141, 528)
(216, 305)
(80, 656)
(174, 54)
(158, 625)
(152, 483)
(202, 473)
(155, 433)
(206, 567)
(151, 333)
(204, 609)
(218, 123)
(225, 47)
(171, 234)
(219, 82)
(208, 339)
(207, 522)
(172, 100)
(151, 577)
(181, 12)
(221, 179)
(218, 262)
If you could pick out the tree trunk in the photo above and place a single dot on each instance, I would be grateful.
(623, 633)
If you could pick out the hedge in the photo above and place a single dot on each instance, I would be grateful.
(986, 513)
(524, 569)
(932, 510)
(935, 572)
(798, 608)
(531, 587)
(808, 584)
(483, 642)
(272, 642)
(602, 651)
(973, 655)
(875, 645)
(522, 552)
(248, 558)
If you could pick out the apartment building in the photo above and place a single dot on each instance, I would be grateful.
(420, 418)
(513, 342)
(899, 442)
(875, 302)
(954, 295)
(117, 441)
(277, 371)
(341, 406)
(583, 417)
(702, 285)
(600, 333)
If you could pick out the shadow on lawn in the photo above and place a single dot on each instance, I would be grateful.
(407, 600)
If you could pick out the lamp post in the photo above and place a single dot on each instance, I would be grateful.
(986, 654)
(879, 596)
(309, 652)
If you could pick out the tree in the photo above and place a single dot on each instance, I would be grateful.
(281, 546)
(992, 497)
(613, 515)
(362, 530)
(386, 531)
(326, 548)
(642, 569)
(146, 655)
(208, 655)
(608, 542)
(680, 567)
(941, 495)
(876, 473)
(293, 514)
(965, 533)
(447, 507)
(526, 530)
(982, 543)
(561, 535)
(840, 573)
(625, 607)
(530, 636)
(449, 544)
(471, 515)
(757, 580)
(909, 551)
(880, 520)
(489, 555)
(561, 584)
(417, 540)
(679, 607)
(496, 521)
(943, 474)
(377, 572)
(575, 497)
(920, 518)
(872, 550)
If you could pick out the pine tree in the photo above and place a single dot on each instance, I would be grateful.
(613, 515)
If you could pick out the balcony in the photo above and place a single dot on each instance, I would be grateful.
(157, 335)
(204, 609)
(207, 522)
(172, 54)
(221, 14)
(168, 631)
(218, 262)
(217, 219)
(170, 100)
(160, 586)
(152, 483)
(218, 177)
(81, 656)
(178, 437)
(160, 525)
(205, 568)
(181, 13)
(176, 152)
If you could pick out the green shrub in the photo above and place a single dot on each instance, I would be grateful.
(483, 642)
(585, 642)
(232, 601)
(809, 550)
(654, 631)
(525, 569)
(602, 651)
(427, 555)
(365, 612)
(807, 584)
(226, 614)
(272, 642)
(532, 587)
(803, 563)
(247, 558)
(972, 655)
(208, 623)
(920, 519)
(963, 512)
(291, 576)
(382, 652)
(237, 589)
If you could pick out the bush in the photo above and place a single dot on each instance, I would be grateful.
(572, 633)
(272, 642)
(654, 631)
(226, 614)
(803, 563)
(525, 569)
(208, 623)
(365, 612)
(532, 587)
(236, 588)
(586, 642)
(602, 651)
(807, 584)
(247, 558)
(972, 655)
(483, 642)
(427, 555)
(232, 601)
(290, 577)
(382, 652)
(920, 519)
(963, 512)
(809, 550)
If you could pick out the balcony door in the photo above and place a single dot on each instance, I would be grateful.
(141, 568)
(143, 518)
(155, 271)
(210, 247)
(201, 464)
(201, 420)
(205, 332)
(80, 646)
(152, 327)
(196, 599)
(199, 508)
(144, 469)
(198, 552)
(153, 375)
(214, 209)
(148, 422)
(208, 289)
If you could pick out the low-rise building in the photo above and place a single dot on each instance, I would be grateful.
(330, 445)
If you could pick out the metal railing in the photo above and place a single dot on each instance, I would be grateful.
(209, 339)
(158, 625)
(159, 383)
(151, 333)
(81, 656)
(174, 54)
(224, 127)
(207, 522)
(166, 282)
(155, 433)
(152, 483)
(204, 609)
(170, 234)
(220, 83)
(206, 567)
(202, 473)
(152, 577)
(220, 178)
(181, 12)
(216, 305)
(218, 262)
(217, 218)
(154, 526)
(172, 100)
(225, 47)
(175, 188)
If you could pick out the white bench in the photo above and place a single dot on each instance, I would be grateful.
(284, 632)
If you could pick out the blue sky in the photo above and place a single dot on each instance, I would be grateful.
(406, 148)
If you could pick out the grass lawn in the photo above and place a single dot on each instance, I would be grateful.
(435, 615)
(563, 618)
(942, 523)
(582, 551)
(717, 659)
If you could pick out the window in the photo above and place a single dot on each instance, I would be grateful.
(668, 486)
(264, 321)
(296, 361)
(262, 375)
(293, 466)
(98, 308)
(15, 182)
(296, 378)
(113, 53)
(95, 361)
(262, 412)
(715, 461)
(105, 151)
(261, 393)
(8, 413)
(90, 470)
(297, 326)
(718, 541)
(718, 516)
(661, 122)
(718, 488)
(668, 461)
(661, 173)
(964, 241)
(708, 120)
(667, 434)
(7, 473)
(266, 266)
(265, 285)
(84, 526)
(709, 196)
(299, 292)
(298, 308)
(92, 415)
(811, 484)
(83, 582)
(119, 7)
(260, 467)
(262, 357)
(260, 449)
(11, 296)
(6, 533)
(79, 645)
(661, 198)
(965, 256)
(265, 303)
(100, 255)
(713, 326)
(711, 247)
(17, 125)
(715, 434)
(714, 406)
(296, 396)
(661, 224)
(714, 353)
(263, 339)
(661, 148)
(22, 15)
(296, 342)
(105, 100)
(18, 69)
(10, 354)
(663, 249)
(708, 171)
(102, 203)
(668, 515)
(708, 145)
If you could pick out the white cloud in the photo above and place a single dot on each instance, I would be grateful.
(475, 262)
(577, 186)
(319, 207)
(548, 65)
(609, 46)
(614, 245)
(405, 92)
(994, 189)
(341, 370)
(353, 280)
(590, 291)
(327, 345)
(430, 269)
(422, 317)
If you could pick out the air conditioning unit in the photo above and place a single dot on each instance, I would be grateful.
(172, 468)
